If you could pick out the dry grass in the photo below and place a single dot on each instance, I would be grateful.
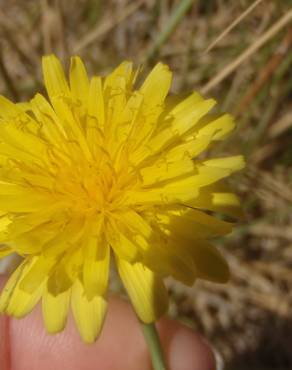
(249, 320)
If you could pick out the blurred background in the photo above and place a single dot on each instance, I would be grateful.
(249, 71)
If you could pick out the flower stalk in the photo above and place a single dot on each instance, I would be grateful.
(153, 342)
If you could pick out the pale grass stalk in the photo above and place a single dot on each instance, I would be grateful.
(233, 24)
(231, 67)
(106, 26)
(174, 19)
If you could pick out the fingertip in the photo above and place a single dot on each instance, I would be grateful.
(186, 350)
(120, 346)
(190, 352)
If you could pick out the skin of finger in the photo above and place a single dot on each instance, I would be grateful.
(4, 343)
(121, 345)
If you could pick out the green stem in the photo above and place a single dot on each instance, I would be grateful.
(153, 342)
(175, 18)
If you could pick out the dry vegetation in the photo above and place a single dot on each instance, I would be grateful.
(249, 71)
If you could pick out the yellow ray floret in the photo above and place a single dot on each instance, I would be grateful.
(105, 168)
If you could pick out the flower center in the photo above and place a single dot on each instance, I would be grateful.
(93, 186)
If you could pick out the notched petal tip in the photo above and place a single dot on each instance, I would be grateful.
(79, 82)
(146, 290)
(54, 77)
(88, 314)
(55, 310)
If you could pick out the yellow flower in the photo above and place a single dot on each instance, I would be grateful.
(106, 168)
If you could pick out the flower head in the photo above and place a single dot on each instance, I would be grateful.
(104, 169)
